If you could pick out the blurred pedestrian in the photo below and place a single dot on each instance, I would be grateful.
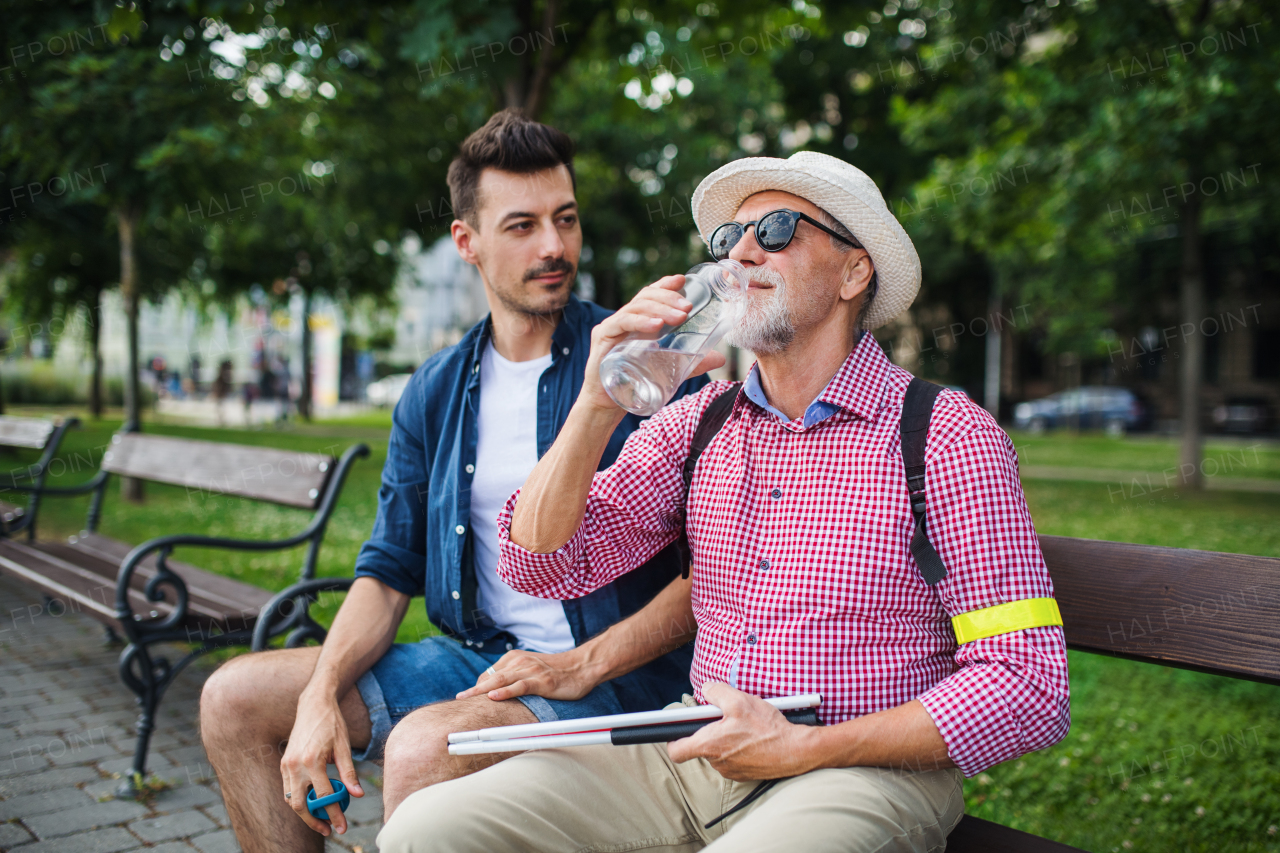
(221, 390)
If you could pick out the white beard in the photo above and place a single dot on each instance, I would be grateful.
(766, 326)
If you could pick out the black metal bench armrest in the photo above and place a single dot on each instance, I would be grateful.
(313, 533)
(37, 472)
(273, 620)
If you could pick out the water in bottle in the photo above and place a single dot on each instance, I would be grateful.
(642, 373)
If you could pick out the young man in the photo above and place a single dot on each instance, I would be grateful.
(472, 423)
(804, 579)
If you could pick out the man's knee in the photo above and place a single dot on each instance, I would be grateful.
(238, 698)
(415, 746)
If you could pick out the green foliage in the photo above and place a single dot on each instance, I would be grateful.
(1084, 134)
(40, 383)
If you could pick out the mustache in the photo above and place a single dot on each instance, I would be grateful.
(553, 266)
(766, 275)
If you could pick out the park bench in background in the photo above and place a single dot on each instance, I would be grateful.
(37, 434)
(149, 597)
(1201, 610)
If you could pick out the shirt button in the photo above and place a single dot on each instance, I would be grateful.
(456, 595)
(764, 565)
(775, 494)
(471, 469)
(751, 639)
(565, 350)
(459, 530)
(510, 647)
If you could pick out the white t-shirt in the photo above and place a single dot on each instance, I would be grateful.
(506, 452)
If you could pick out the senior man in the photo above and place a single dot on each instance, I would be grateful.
(812, 573)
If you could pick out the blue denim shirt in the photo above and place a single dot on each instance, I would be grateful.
(421, 540)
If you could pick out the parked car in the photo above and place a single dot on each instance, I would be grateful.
(1116, 410)
(1243, 415)
(386, 391)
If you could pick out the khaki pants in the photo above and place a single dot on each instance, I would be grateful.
(623, 798)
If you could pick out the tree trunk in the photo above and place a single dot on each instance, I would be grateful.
(126, 223)
(95, 353)
(991, 377)
(304, 389)
(545, 68)
(1191, 367)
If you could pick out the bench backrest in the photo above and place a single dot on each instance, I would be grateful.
(263, 473)
(1202, 610)
(25, 432)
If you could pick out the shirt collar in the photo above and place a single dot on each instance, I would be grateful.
(857, 386)
(563, 339)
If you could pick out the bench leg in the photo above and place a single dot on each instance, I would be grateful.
(109, 637)
(148, 679)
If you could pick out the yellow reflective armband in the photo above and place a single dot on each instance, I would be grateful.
(1005, 619)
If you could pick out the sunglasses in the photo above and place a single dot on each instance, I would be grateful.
(774, 231)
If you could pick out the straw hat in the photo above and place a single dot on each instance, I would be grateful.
(842, 190)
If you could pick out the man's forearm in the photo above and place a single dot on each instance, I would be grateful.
(663, 624)
(904, 737)
(363, 630)
(554, 498)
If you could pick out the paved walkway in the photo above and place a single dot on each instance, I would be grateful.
(66, 729)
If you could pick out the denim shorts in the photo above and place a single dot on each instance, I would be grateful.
(437, 669)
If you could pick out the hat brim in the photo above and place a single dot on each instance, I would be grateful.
(838, 188)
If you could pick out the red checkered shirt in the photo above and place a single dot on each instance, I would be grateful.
(803, 581)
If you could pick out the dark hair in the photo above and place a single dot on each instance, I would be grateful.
(508, 142)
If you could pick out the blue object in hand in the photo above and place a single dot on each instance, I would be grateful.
(316, 805)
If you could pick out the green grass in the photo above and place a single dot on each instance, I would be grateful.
(1157, 759)
(1226, 457)
(1236, 522)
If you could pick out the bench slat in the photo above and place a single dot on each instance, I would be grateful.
(25, 432)
(96, 579)
(62, 571)
(211, 468)
(234, 595)
(1203, 610)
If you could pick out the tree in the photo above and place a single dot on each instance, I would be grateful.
(308, 206)
(1120, 111)
(61, 264)
(103, 91)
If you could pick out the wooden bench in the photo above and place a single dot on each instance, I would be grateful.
(35, 434)
(1201, 610)
(149, 597)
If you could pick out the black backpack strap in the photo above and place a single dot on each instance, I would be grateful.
(712, 420)
(916, 411)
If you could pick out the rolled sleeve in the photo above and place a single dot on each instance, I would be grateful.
(555, 575)
(395, 552)
(1009, 694)
(1008, 698)
(635, 509)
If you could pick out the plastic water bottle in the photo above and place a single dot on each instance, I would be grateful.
(643, 372)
